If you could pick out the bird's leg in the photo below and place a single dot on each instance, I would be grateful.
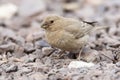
(79, 55)
(61, 53)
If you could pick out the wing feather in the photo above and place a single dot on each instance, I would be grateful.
(79, 29)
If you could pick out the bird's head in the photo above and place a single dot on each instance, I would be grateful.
(50, 22)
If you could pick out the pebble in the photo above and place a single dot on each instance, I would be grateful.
(41, 44)
(47, 50)
(25, 70)
(30, 60)
(118, 64)
(71, 6)
(24, 77)
(31, 7)
(12, 68)
(7, 10)
(7, 47)
(38, 53)
(89, 55)
(38, 76)
(80, 64)
(29, 48)
(34, 36)
(19, 51)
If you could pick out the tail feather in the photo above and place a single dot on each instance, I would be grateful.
(96, 28)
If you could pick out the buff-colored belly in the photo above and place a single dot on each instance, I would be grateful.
(66, 41)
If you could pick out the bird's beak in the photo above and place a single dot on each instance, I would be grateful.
(44, 25)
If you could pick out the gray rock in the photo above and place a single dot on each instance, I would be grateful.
(38, 53)
(7, 32)
(18, 51)
(47, 51)
(7, 47)
(34, 36)
(24, 77)
(30, 58)
(12, 68)
(118, 64)
(18, 40)
(38, 76)
(31, 7)
(25, 70)
(29, 48)
(41, 43)
(1, 71)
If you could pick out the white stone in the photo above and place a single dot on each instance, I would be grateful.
(7, 11)
(31, 7)
(80, 64)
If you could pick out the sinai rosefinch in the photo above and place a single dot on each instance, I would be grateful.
(66, 34)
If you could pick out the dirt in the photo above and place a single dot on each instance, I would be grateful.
(25, 55)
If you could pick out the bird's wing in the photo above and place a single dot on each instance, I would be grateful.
(79, 29)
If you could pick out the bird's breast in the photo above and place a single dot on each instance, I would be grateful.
(56, 38)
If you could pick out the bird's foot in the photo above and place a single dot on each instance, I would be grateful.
(79, 55)
(61, 54)
(78, 58)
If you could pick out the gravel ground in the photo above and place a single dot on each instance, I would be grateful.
(25, 55)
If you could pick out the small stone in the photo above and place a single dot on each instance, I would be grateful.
(0, 57)
(41, 43)
(83, 12)
(71, 6)
(19, 51)
(24, 77)
(118, 64)
(18, 40)
(89, 55)
(29, 48)
(79, 64)
(7, 32)
(47, 50)
(7, 11)
(1, 71)
(16, 60)
(38, 76)
(31, 7)
(12, 68)
(38, 53)
(94, 2)
(7, 47)
(32, 37)
(26, 70)
(31, 58)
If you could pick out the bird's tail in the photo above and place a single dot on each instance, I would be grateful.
(96, 28)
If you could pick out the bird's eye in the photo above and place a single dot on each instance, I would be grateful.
(51, 21)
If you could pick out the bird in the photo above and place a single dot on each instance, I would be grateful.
(67, 34)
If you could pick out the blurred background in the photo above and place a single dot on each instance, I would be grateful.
(22, 14)
(25, 16)
(22, 39)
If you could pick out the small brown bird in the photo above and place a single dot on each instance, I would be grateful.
(66, 34)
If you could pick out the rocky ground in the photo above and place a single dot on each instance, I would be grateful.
(25, 55)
